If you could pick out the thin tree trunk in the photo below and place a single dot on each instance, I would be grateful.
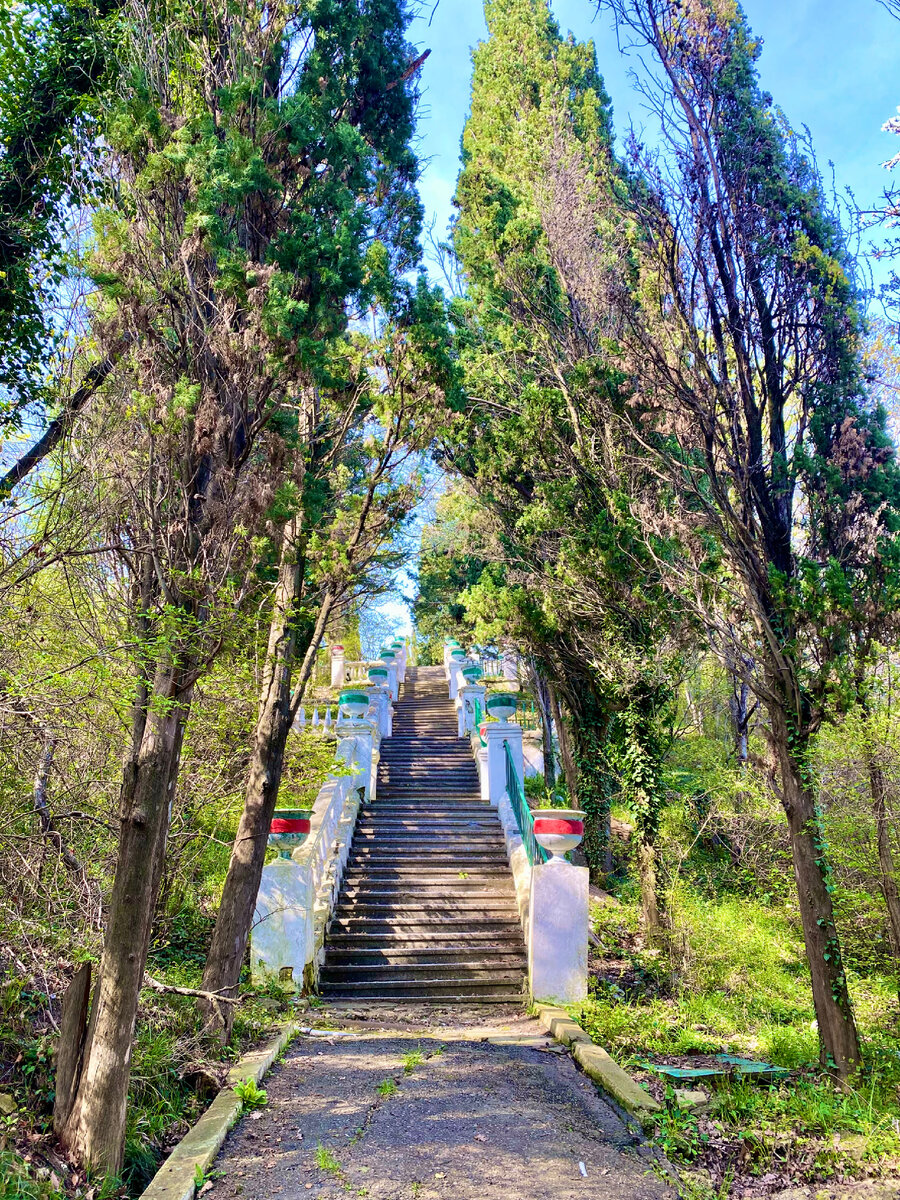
(277, 710)
(543, 702)
(235, 916)
(565, 745)
(592, 792)
(838, 1038)
(888, 880)
(650, 910)
(95, 1130)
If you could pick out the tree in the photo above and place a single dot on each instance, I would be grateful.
(327, 549)
(743, 345)
(54, 66)
(576, 585)
(246, 148)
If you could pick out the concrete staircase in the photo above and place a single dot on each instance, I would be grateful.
(427, 911)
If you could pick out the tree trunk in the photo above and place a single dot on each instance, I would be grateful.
(650, 911)
(592, 792)
(276, 712)
(889, 889)
(541, 692)
(838, 1039)
(565, 745)
(222, 971)
(95, 1130)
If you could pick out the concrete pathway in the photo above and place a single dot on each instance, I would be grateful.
(490, 1109)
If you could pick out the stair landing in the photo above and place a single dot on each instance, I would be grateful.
(427, 909)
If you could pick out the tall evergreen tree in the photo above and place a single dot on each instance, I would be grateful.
(255, 149)
(539, 435)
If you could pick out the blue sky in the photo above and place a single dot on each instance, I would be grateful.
(830, 64)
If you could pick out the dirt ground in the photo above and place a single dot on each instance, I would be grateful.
(486, 1108)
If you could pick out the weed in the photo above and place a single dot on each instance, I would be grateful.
(327, 1161)
(412, 1060)
(387, 1087)
(251, 1095)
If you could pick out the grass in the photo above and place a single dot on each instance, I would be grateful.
(327, 1161)
(387, 1087)
(733, 978)
(412, 1060)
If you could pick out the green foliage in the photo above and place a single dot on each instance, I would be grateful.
(326, 1160)
(414, 1059)
(54, 65)
(251, 1095)
(387, 1087)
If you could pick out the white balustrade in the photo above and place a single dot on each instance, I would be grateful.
(297, 895)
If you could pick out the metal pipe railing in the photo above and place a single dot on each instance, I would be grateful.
(524, 819)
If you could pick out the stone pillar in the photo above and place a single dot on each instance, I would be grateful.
(481, 761)
(357, 742)
(401, 664)
(282, 925)
(509, 661)
(337, 666)
(457, 679)
(465, 706)
(495, 734)
(558, 933)
(381, 710)
(393, 684)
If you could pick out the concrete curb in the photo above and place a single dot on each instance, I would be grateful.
(596, 1063)
(198, 1148)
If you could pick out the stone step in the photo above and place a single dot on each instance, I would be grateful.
(435, 824)
(430, 954)
(463, 838)
(368, 893)
(453, 926)
(426, 909)
(459, 861)
(471, 970)
(436, 991)
(403, 872)
(436, 942)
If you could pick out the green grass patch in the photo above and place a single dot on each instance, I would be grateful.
(733, 978)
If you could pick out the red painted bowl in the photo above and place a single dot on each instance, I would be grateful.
(558, 830)
(289, 829)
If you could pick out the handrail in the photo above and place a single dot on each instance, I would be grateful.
(524, 819)
(479, 717)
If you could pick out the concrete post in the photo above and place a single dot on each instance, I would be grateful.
(481, 760)
(510, 663)
(337, 666)
(457, 679)
(381, 710)
(401, 664)
(558, 933)
(495, 734)
(283, 921)
(357, 741)
(465, 706)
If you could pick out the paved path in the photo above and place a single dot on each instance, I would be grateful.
(490, 1111)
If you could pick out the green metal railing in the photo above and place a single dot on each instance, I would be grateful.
(479, 717)
(524, 819)
(527, 715)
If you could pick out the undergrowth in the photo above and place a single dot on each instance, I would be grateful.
(730, 976)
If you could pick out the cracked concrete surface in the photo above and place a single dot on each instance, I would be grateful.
(489, 1110)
